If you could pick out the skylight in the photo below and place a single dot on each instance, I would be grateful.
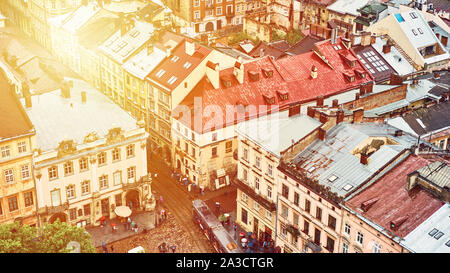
(438, 235)
(332, 178)
(160, 73)
(432, 232)
(347, 187)
(187, 65)
(172, 80)
(413, 15)
(310, 170)
(175, 58)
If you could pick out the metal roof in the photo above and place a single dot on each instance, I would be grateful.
(437, 172)
(433, 235)
(333, 157)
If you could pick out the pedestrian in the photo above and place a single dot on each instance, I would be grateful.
(161, 200)
(133, 224)
(131, 204)
(136, 227)
(156, 175)
(173, 247)
(163, 214)
(235, 229)
(112, 249)
(128, 223)
(105, 250)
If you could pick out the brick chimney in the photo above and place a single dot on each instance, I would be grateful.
(311, 111)
(364, 159)
(190, 47)
(322, 134)
(335, 103)
(396, 79)
(323, 117)
(339, 116)
(212, 72)
(365, 38)
(313, 72)
(358, 115)
(294, 110)
(398, 133)
(386, 48)
(239, 71)
(320, 101)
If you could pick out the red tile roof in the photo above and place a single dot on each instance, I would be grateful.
(13, 119)
(395, 202)
(176, 68)
(291, 75)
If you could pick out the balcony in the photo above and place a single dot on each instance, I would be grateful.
(267, 204)
(57, 209)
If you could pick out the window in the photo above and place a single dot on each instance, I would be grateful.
(317, 236)
(25, 172)
(376, 248)
(85, 187)
(103, 181)
(188, 64)
(359, 238)
(268, 214)
(296, 198)
(193, 137)
(5, 151)
(318, 213)
(269, 191)
(347, 229)
(9, 176)
(116, 154)
(186, 147)
(307, 205)
(83, 164)
(244, 175)
(214, 137)
(219, 11)
(22, 147)
(228, 146)
(117, 178)
(331, 222)
(28, 197)
(131, 172)
(306, 227)
(12, 202)
(414, 32)
(244, 198)
(214, 152)
(257, 183)
(256, 206)
(130, 150)
(196, 3)
(344, 248)
(118, 198)
(68, 168)
(413, 15)
(258, 162)
(87, 209)
(296, 219)
(160, 73)
(420, 30)
(72, 214)
(245, 154)
(175, 59)
(244, 216)
(101, 158)
(196, 14)
(270, 170)
(172, 80)
(285, 191)
(330, 244)
(284, 211)
(70, 191)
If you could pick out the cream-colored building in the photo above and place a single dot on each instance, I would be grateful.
(90, 156)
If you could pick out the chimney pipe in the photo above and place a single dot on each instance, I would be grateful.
(83, 96)
(319, 101)
(294, 110)
(311, 112)
(322, 134)
(334, 34)
(340, 116)
(313, 72)
(364, 159)
(335, 103)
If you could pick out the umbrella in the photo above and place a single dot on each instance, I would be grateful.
(244, 240)
(103, 218)
(242, 234)
(222, 218)
(122, 211)
(113, 224)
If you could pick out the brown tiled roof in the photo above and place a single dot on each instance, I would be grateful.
(13, 119)
(395, 203)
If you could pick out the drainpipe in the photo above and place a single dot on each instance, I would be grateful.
(36, 194)
(276, 222)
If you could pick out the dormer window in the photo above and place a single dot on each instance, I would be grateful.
(270, 99)
(284, 95)
(267, 72)
(253, 75)
(226, 82)
(361, 73)
(349, 76)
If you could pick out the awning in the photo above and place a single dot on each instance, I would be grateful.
(122, 211)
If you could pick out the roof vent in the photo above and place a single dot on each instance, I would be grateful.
(395, 224)
(270, 99)
(364, 159)
(283, 94)
(267, 72)
(349, 76)
(313, 72)
(253, 75)
(365, 206)
(226, 81)
(398, 133)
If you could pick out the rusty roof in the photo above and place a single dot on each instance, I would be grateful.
(395, 202)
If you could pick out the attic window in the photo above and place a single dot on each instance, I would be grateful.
(172, 80)
(270, 99)
(175, 59)
(187, 65)
(347, 187)
(433, 232)
(160, 73)
(413, 15)
(438, 235)
(267, 72)
(254, 76)
(349, 76)
(361, 73)
(332, 178)
(310, 170)
(337, 47)
(284, 95)
(226, 82)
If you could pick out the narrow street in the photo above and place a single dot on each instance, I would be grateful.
(178, 203)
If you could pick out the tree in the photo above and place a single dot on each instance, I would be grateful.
(294, 36)
(17, 238)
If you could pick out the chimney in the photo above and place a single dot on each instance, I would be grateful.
(334, 34)
(364, 159)
(83, 96)
(362, 89)
(323, 117)
(149, 49)
(357, 95)
(395, 224)
(319, 101)
(294, 110)
(322, 134)
(398, 133)
(386, 48)
(261, 52)
(365, 206)
(340, 116)
(311, 111)
(313, 72)
(373, 39)
(396, 79)
(65, 89)
(346, 42)
(436, 75)
(358, 115)
(335, 103)
(365, 38)
(369, 87)
(28, 103)
(239, 72)
(190, 47)
(212, 72)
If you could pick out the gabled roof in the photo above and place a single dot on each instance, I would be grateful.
(13, 119)
(291, 75)
(432, 118)
(175, 68)
(395, 202)
(347, 6)
(267, 50)
(304, 45)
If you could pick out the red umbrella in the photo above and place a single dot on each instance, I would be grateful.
(113, 224)
(103, 218)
